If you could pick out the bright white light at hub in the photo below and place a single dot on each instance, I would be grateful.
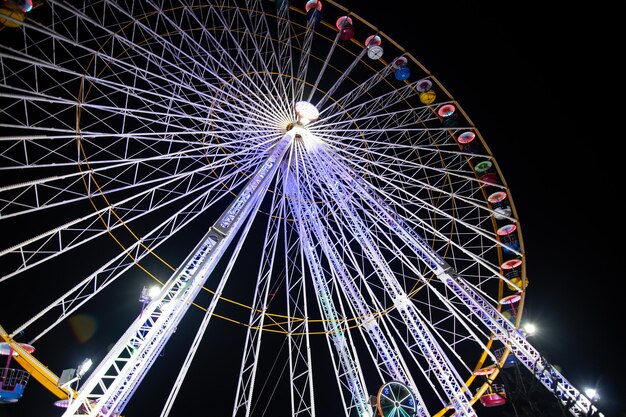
(310, 141)
(306, 112)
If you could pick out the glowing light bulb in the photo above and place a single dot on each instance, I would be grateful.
(530, 329)
(306, 112)
(591, 393)
(84, 367)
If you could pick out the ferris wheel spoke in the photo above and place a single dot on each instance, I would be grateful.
(387, 163)
(341, 79)
(391, 147)
(284, 48)
(156, 61)
(385, 120)
(67, 304)
(128, 258)
(446, 374)
(305, 52)
(108, 89)
(151, 100)
(276, 51)
(240, 53)
(347, 369)
(48, 192)
(299, 304)
(209, 314)
(38, 151)
(132, 150)
(385, 348)
(512, 338)
(46, 151)
(407, 236)
(383, 152)
(344, 102)
(242, 57)
(381, 211)
(143, 116)
(275, 91)
(410, 237)
(178, 294)
(162, 121)
(406, 343)
(349, 103)
(258, 313)
(21, 70)
(121, 360)
(402, 183)
(395, 195)
(377, 123)
(321, 72)
(493, 270)
(382, 237)
(78, 232)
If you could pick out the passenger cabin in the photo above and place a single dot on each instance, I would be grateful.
(494, 396)
(12, 381)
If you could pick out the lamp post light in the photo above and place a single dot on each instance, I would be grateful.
(593, 396)
(530, 329)
(71, 376)
(83, 367)
(591, 393)
(147, 294)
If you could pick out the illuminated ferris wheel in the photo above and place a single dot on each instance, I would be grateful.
(282, 171)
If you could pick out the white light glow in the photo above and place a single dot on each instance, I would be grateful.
(591, 393)
(306, 112)
(154, 291)
(84, 367)
(530, 329)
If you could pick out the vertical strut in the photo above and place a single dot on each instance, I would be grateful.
(111, 385)
(449, 380)
(333, 326)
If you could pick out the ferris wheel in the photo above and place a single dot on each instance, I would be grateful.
(326, 227)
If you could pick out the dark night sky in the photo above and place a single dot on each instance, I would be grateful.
(538, 88)
(538, 84)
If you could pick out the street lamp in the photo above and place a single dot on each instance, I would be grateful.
(592, 393)
(147, 294)
(530, 329)
(593, 396)
(69, 377)
(84, 367)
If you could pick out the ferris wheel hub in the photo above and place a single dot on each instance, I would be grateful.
(306, 112)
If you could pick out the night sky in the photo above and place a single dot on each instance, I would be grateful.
(539, 89)
(536, 84)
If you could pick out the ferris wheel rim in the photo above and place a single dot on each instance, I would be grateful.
(379, 174)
